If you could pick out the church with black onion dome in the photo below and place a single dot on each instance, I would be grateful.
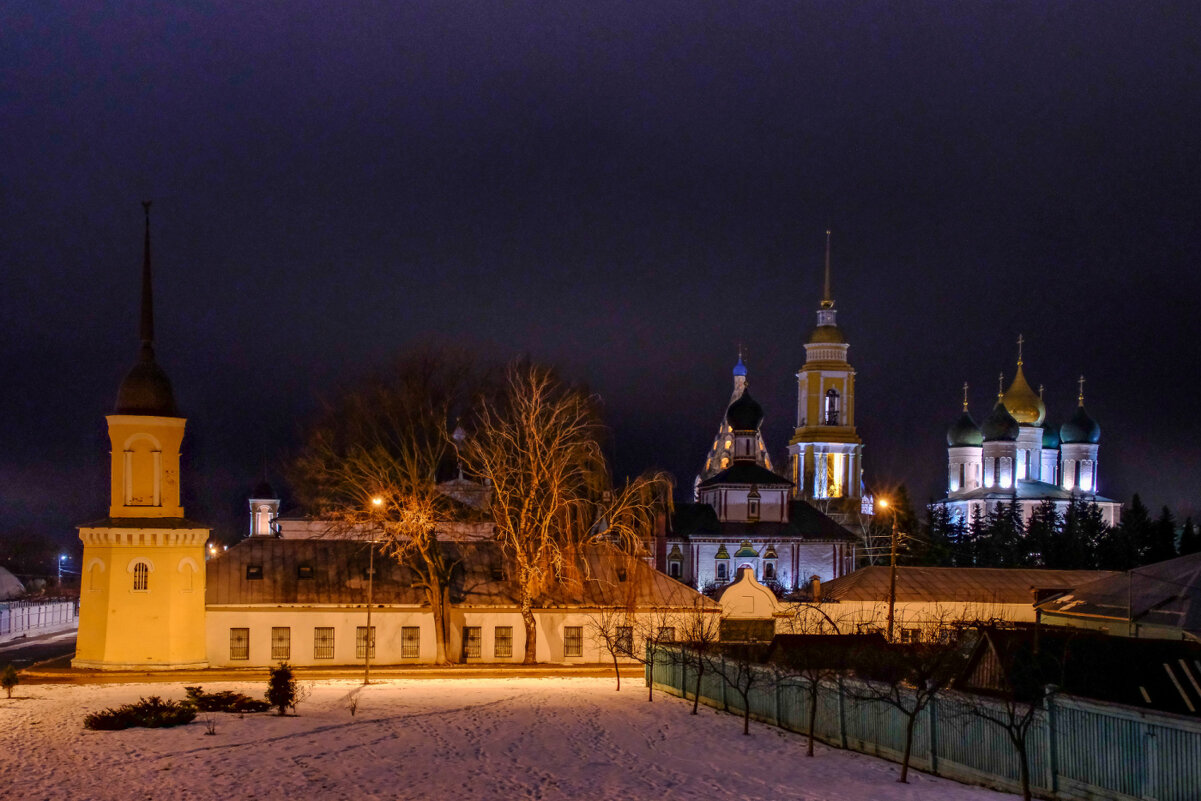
(1015, 456)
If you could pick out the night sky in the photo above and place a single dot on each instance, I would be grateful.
(625, 190)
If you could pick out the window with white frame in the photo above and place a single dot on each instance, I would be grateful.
(239, 644)
(281, 642)
(410, 642)
(502, 642)
(573, 641)
(361, 647)
(323, 642)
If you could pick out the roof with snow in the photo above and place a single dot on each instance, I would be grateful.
(1165, 594)
(804, 522)
(1006, 585)
(274, 571)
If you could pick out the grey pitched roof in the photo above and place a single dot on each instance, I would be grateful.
(1166, 594)
(744, 471)
(805, 522)
(970, 584)
(332, 572)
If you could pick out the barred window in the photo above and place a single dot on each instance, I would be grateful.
(625, 640)
(239, 643)
(502, 642)
(911, 636)
(141, 577)
(281, 642)
(323, 642)
(573, 641)
(360, 642)
(667, 634)
(472, 642)
(410, 642)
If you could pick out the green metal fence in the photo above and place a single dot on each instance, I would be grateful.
(1077, 749)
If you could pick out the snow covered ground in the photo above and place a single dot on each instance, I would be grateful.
(552, 738)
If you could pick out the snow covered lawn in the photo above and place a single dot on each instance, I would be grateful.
(453, 739)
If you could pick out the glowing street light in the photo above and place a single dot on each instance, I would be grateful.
(892, 569)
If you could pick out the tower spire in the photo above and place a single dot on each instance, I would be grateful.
(147, 294)
(965, 396)
(827, 299)
(1080, 395)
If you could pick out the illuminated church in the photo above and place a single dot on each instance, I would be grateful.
(1016, 457)
(789, 531)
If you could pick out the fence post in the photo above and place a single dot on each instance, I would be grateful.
(842, 713)
(1150, 760)
(1052, 744)
(725, 703)
(776, 681)
(932, 714)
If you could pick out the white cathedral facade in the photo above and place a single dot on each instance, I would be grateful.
(1016, 457)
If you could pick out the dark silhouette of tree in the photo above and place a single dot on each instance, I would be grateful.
(1125, 544)
(937, 537)
(1043, 536)
(1081, 532)
(1002, 541)
(1190, 542)
(1161, 539)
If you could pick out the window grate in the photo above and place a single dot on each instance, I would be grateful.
(360, 642)
(323, 642)
(410, 642)
(239, 643)
(472, 642)
(573, 641)
(502, 642)
(281, 642)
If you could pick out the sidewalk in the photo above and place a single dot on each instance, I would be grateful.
(59, 671)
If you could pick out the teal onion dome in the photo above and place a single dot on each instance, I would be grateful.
(964, 432)
(1080, 429)
(1050, 437)
(1000, 425)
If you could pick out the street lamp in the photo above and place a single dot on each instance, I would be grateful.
(892, 569)
(62, 557)
(368, 640)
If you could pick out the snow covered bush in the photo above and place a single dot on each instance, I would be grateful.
(151, 713)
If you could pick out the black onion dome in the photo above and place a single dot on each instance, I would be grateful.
(1000, 425)
(744, 414)
(1050, 436)
(963, 432)
(264, 491)
(146, 390)
(1080, 429)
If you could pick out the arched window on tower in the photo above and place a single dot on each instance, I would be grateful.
(141, 577)
(831, 411)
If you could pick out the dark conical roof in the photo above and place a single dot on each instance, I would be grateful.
(1080, 429)
(146, 390)
(964, 431)
(1000, 425)
(744, 414)
(264, 491)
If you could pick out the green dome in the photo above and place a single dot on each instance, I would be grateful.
(1000, 425)
(745, 551)
(964, 432)
(1080, 429)
(722, 553)
(1050, 436)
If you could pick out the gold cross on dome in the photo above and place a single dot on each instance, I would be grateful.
(1021, 340)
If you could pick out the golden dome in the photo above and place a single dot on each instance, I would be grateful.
(1024, 403)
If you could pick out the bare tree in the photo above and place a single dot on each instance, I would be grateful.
(370, 466)
(613, 627)
(538, 445)
(699, 635)
(909, 676)
(741, 666)
(656, 628)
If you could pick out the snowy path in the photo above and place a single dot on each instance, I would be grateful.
(434, 739)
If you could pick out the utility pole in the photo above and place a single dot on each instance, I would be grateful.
(892, 575)
(368, 640)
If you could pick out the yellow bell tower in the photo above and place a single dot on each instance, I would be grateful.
(141, 599)
(825, 450)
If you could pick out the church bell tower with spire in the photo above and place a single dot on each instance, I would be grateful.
(825, 451)
(141, 599)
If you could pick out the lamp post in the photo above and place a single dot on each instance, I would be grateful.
(892, 569)
(62, 557)
(368, 640)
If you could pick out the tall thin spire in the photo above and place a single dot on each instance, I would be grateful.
(147, 294)
(827, 298)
